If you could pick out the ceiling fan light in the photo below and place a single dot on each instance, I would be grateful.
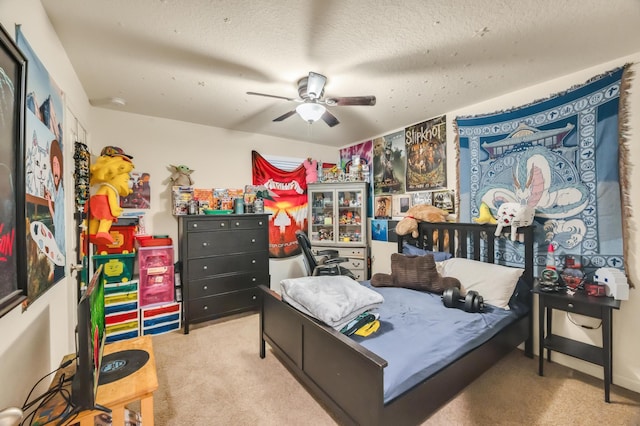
(310, 112)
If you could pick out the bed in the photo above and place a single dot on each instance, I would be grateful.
(349, 379)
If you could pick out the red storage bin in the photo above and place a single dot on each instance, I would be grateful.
(123, 238)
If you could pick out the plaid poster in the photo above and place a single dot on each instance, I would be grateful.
(560, 156)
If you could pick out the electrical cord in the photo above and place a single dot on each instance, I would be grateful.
(588, 327)
(46, 396)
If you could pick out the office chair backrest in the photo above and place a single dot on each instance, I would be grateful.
(305, 245)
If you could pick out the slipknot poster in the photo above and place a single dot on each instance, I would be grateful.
(426, 155)
(288, 209)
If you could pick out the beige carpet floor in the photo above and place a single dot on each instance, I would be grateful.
(214, 376)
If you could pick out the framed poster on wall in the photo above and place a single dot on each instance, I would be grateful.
(13, 71)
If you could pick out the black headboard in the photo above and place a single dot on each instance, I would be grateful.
(471, 241)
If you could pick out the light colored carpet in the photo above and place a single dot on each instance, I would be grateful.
(215, 376)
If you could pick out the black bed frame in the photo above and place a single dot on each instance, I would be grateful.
(348, 379)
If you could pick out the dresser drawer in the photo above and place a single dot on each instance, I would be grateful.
(224, 223)
(355, 252)
(217, 265)
(226, 283)
(575, 306)
(216, 306)
(359, 274)
(206, 224)
(354, 264)
(236, 241)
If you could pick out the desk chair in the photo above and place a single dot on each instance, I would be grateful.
(321, 262)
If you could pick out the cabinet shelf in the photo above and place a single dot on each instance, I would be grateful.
(580, 350)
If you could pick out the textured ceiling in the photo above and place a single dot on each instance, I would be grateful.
(194, 60)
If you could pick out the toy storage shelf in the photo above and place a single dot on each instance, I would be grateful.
(160, 319)
(156, 275)
(122, 317)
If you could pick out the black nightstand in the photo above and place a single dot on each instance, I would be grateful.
(578, 303)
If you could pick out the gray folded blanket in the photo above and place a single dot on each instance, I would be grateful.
(334, 300)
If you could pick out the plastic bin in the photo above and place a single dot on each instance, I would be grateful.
(117, 267)
(123, 238)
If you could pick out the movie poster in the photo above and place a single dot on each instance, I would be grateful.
(389, 164)
(426, 145)
(140, 198)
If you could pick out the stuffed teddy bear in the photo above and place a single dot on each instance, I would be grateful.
(420, 213)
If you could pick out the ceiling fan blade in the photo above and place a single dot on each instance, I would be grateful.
(285, 116)
(315, 85)
(330, 119)
(271, 96)
(352, 100)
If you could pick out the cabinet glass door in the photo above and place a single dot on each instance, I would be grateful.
(350, 217)
(322, 216)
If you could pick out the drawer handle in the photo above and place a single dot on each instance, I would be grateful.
(237, 223)
(253, 240)
(205, 308)
(260, 223)
(195, 225)
(222, 225)
(205, 267)
(205, 244)
(253, 261)
(254, 279)
(205, 287)
(570, 305)
(253, 297)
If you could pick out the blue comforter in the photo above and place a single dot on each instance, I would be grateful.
(418, 335)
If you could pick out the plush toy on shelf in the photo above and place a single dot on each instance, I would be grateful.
(311, 167)
(420, 213)
(110, 177)
(181, 175)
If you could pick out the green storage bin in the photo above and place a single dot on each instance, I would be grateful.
(118, 268)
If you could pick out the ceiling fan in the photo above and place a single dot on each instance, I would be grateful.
(312, 104)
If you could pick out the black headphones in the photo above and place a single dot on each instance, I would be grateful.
(472, 302)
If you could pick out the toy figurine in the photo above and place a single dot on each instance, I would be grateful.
(110, 174)
(311, 168)
(181, 175)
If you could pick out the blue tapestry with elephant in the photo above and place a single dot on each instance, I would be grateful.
(561, 157)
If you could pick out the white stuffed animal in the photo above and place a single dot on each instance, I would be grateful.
(514, 215)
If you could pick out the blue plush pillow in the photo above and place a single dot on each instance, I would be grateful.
(438, 256)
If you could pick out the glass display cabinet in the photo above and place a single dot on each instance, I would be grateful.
(338, 219)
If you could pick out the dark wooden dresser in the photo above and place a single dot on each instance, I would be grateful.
(223, 259)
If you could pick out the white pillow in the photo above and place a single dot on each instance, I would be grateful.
(495, 283)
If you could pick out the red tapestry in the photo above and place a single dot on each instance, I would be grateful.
(288, 209)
